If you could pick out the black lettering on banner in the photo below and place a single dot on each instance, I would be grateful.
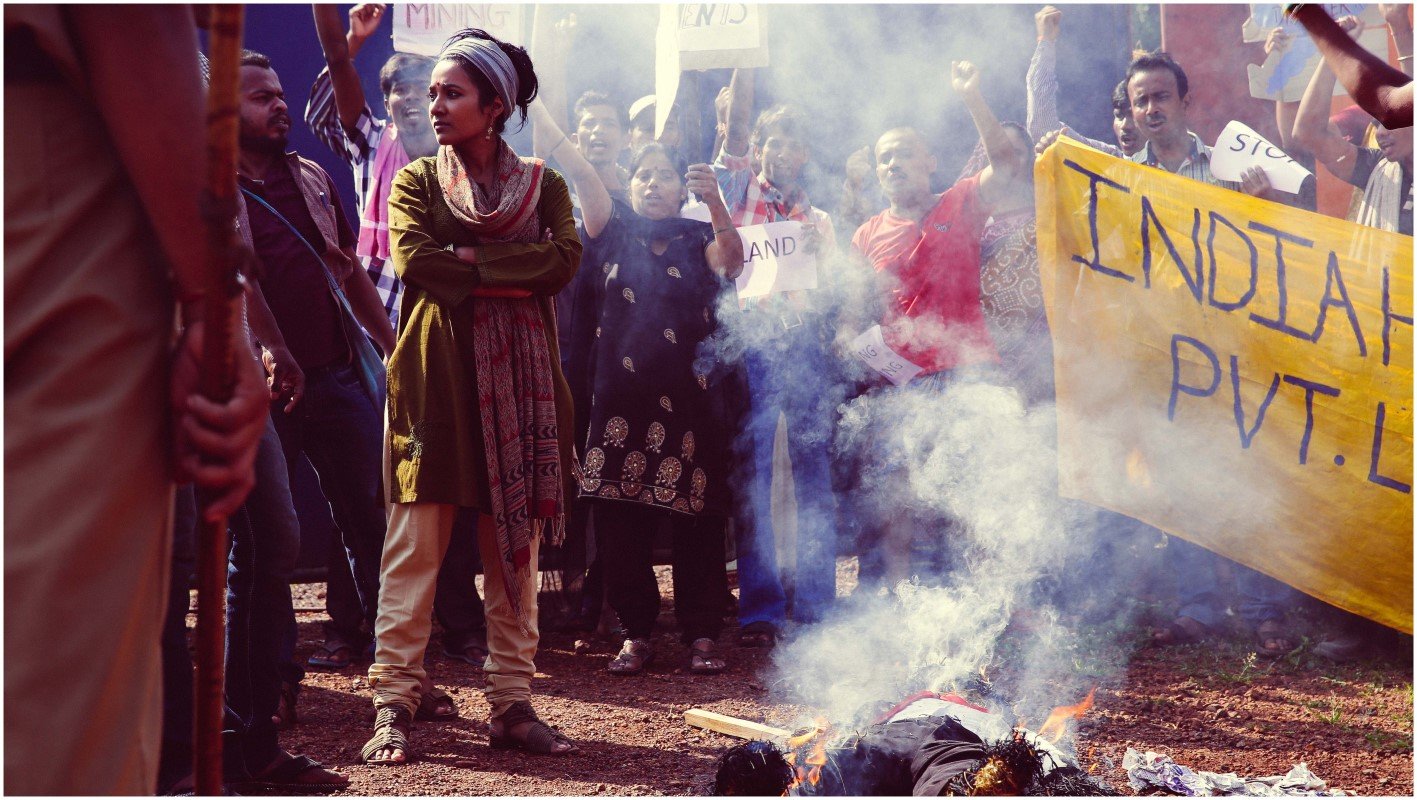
(1178, 388)
(1388, 317)
(1373, 476)
(1254, 264)
(1280, 322)
(1248, 436)
(1335, 278)
(1194, 281)
(1092, 180)
(1310, 388)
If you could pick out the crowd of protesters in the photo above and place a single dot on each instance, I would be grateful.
(505, 353)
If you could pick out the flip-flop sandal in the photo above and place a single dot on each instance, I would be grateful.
(758, 634)
(435, 705)
(391, 728)
(704, 658)
(540, 738)
(474, 652)
(634, 656)
(292, 774)
(332, 654)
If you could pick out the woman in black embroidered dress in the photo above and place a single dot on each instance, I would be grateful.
(654, 446)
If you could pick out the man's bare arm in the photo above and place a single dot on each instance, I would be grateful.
(1377, 88)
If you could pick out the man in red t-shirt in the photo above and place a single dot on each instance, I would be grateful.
(927, 246)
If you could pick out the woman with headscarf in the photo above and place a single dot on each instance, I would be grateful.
(479, 413)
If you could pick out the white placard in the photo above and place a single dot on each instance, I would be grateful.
(1240, 148)
(698, 36)
(774, 260)
(871, 347)
(422, 28)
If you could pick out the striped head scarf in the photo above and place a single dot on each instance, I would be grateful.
(491, 61)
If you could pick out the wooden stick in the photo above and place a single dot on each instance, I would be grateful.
(732, 726)
(222, 319)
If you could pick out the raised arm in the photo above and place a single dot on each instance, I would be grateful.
(340, 50)
(1313, 132)
(1042, 79)
(725, 252)
(1377, 88)
(551, 46)
(1401, 27)
(1005, 161)
(732, 165)
(740, 112)
(594, 197)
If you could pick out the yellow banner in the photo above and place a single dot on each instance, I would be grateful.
(1234, 372)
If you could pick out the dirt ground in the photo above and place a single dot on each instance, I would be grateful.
(1210, 707)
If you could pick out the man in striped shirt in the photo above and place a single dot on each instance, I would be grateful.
(1158, 89)
(339, 117)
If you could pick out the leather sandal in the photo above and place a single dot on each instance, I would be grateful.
(391, 728)
(538, 738)
(436, 704)
(634, 656)
(291, 774)
(704, 658)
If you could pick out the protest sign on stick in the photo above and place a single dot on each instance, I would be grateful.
(698, 36)
(422, 28)
(1235, 372)
(1239, 148)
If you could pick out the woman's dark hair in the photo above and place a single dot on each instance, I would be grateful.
(676, 160)
(521, 62)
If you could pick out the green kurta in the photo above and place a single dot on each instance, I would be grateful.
(436, 452)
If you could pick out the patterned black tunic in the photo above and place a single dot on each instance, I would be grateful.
(649, 422)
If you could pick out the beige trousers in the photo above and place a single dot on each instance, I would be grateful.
(88, 489)
(414, 547)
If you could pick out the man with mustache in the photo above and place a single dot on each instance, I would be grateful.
(376, 149)
(291, 217)
(1159, 94)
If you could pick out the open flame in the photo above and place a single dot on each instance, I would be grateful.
(811, 744)
(1057, 722)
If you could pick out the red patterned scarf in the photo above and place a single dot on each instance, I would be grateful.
(515, 388)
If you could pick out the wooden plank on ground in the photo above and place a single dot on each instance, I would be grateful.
(732, 726)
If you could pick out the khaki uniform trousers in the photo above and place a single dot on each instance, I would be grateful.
(88, 489)
(414, 547)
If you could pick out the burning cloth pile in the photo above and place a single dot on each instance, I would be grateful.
(931, 745)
